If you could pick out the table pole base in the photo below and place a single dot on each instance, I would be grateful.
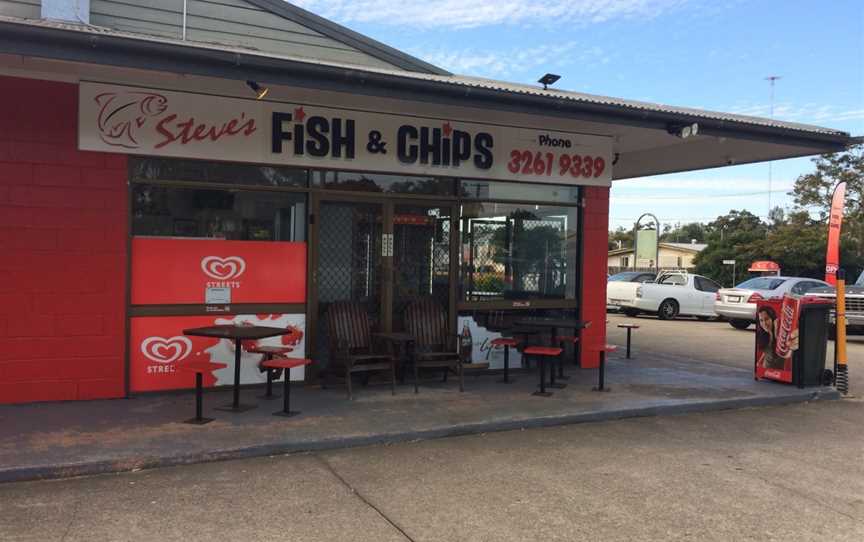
(198, 421)
(238, 408)
(542, 393)
(595, 388)
(287, 414)
(558, 386)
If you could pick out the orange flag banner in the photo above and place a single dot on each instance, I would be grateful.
(832, 257)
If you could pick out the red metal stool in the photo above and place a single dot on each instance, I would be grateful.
(602, 376)
(199, 368)
(629, 328)
(541, 353)
(506, 343)
(287, 364)
(269, 353)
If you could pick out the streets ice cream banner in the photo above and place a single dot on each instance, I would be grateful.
(159, 349)
(114, 118)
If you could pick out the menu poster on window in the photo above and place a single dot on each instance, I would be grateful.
(158, 350)
(168, 271)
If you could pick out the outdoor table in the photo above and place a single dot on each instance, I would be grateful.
(237, 333)
(554, 324)
(401, 341)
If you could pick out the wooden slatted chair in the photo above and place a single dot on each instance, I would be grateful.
(434, 346)
(351, 344)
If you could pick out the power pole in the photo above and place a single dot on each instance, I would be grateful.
(771, 79)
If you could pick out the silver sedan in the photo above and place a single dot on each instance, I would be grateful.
(738, 305)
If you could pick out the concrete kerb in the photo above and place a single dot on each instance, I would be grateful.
(69, 470)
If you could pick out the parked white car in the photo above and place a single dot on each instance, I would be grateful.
(673, 294)
(738, 304)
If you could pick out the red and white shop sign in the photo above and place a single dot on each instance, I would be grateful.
(158, 350)
(169, 271)
(116, 118)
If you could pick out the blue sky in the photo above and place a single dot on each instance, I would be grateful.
(712, 54)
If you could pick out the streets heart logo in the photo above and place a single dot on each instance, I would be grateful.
(223, 270)
(162, 350)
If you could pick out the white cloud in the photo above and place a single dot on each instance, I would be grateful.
(506, 62)
(475, 13)
(812, 113)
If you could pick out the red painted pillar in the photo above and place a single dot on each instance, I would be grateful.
(595, 244)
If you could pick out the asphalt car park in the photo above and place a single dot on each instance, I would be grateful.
(713, 341)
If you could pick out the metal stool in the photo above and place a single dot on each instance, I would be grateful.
(602, 373)
(269, 353)
(629, 328)
(199, 368)
(541, 353)
(287, 364)
(506, 343)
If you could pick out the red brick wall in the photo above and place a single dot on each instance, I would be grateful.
(63, 222)
(596, 247)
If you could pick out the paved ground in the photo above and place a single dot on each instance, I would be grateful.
(67, 439)
(780, 473)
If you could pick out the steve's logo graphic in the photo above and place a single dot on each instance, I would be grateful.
(123, 114)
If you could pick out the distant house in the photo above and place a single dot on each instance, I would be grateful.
(672, 256)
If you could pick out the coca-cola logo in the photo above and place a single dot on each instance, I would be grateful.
(162, 350)
(123, 114)
(219, 268)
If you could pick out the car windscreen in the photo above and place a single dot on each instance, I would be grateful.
(860, 281)
(624, 277)
(762, 283)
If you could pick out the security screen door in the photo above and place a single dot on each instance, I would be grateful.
(382, 255)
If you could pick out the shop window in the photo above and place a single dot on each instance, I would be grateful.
(234, 215)
(392, 184)
(497, 190)
(517, 252)
(172, 169)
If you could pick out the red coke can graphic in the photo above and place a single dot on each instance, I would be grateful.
(788, 323)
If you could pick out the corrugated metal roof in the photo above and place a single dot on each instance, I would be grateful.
(456, 80)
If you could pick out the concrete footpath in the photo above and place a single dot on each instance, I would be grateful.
(70, 439)
(787, 473)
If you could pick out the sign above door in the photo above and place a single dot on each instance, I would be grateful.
(132, 120)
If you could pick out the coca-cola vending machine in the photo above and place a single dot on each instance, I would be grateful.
(791, 340)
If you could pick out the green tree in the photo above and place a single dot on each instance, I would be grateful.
(623, 235)
(813, 192)
(733, 236)
(685, 233)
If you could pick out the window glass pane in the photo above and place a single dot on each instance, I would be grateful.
(373, 182)
(218, 214)
(554, 193)
(675, 280)
(517, 252)
(171, 169)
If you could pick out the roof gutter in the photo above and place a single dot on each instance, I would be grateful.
(93, 48)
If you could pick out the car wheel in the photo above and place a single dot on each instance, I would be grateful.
(739, 324)
(632, 313)
(668, 309)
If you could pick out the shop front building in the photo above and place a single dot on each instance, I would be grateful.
(143, 196)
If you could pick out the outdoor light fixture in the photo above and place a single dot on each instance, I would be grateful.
(548, 79)
(683, 130)
(259, 91)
